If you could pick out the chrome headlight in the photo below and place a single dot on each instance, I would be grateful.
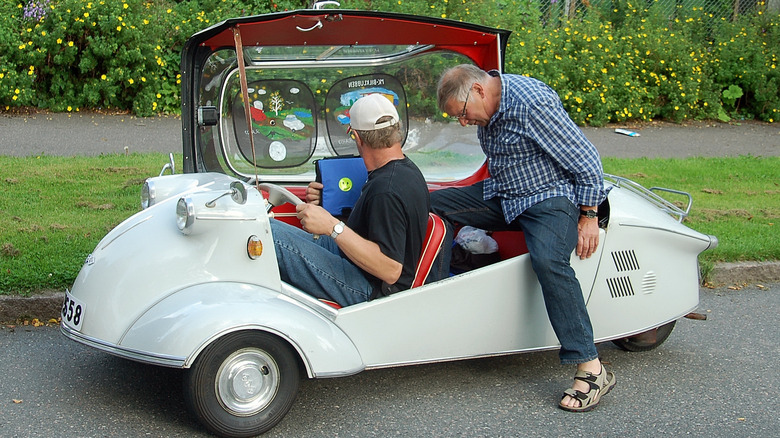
(185, 214)
(148, 193)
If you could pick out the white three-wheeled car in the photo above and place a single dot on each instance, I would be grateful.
(191, 281)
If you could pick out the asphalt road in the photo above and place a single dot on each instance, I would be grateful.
(95, 134)
(713, 378)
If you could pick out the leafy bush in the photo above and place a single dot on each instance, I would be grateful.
(624, 60)
(16, 78)
(747, 52)
(123, 55)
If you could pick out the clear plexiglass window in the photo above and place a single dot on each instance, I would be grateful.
(299, 101)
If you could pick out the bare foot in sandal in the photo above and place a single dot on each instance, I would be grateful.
(590, 383)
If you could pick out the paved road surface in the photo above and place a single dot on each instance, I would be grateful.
(714, 378)
(93, 134)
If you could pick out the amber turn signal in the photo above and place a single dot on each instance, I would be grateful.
(254, 247)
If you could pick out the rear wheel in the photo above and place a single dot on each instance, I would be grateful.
(646, 341)
(243, 384)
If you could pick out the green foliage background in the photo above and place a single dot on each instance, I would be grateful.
(623, 61)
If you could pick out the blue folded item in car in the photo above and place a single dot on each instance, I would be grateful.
(342, 179)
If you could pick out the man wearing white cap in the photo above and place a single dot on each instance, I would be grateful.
(375, 253)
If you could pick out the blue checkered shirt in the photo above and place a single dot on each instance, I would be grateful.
(536, 152)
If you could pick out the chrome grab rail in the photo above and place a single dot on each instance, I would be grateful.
(654, 198)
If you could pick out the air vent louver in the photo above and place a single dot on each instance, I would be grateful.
(620, 287)
(625, 260)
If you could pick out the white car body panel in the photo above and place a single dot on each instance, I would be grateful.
(482, 312)
(179, 306)
(187, 321)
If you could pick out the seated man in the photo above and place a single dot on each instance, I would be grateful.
(376, 252)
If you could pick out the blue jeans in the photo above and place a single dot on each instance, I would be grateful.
(318, 267)
(550, 229)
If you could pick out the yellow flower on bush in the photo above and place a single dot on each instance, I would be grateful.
(131, 81)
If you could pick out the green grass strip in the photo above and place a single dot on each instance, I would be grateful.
(54, 210)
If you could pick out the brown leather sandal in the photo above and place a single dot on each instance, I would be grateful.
(600, 384)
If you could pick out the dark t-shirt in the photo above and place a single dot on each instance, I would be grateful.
(392, 211)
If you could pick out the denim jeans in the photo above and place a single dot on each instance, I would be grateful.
(550, 229)
(317, 266)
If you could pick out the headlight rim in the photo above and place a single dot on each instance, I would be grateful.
(185, 214)
(148, 194)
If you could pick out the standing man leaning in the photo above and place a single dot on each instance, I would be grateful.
(546, 179)
(376, 252)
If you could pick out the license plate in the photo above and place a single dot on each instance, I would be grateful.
(73, 312)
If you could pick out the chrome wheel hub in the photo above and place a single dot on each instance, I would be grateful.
(247, 381)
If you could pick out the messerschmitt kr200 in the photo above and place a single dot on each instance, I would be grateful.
(191, 281)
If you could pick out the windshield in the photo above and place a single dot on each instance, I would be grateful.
(299, 99)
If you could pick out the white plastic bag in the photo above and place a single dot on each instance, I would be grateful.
(476, 241)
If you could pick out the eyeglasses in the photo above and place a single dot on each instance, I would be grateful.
(463, 113)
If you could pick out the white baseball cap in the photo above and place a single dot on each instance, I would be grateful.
(367, 110)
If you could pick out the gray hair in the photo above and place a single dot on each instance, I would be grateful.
(382, 138)
(456, 82)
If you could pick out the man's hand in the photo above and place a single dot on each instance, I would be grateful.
(314, 193)
(315, 219)
(588, 241)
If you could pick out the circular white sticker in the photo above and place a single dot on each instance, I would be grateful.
(277, 150)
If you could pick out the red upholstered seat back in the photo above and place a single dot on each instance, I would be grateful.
(434, 235)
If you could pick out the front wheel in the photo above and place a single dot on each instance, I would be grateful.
(243, 384)
(646, 341)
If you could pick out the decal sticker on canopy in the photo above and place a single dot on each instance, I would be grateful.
(345, 92)
(283, 123)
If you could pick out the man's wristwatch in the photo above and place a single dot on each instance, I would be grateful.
(337, 229)
(590, 214)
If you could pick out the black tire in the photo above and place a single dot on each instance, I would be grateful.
(636, 343)
(242, 384)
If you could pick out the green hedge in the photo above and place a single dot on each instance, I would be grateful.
(65, 55)
(627, 61)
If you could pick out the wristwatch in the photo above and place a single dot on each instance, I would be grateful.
(590, 214)
(337, 229)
